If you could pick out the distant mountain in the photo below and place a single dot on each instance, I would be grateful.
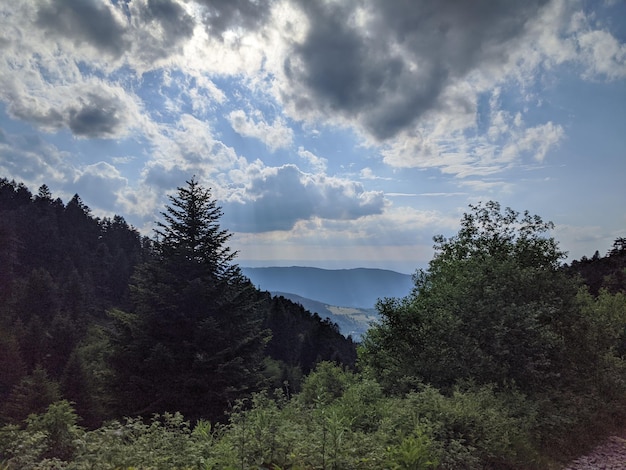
(351, 321)
(358, 288)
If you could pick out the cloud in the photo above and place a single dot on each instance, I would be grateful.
(368, 174)
(140, 32)
(85, 21)
(387, 64)
(100, 182)
(506, 143)
(90, 109)
(95, 116)
(276, 198)
(536, 141)
(160, 28)
(274, 136)
(223, 15)
(603, 55)
(576, 239)
(33, 161)
(191, 142)
(317, 164)
(401, 234)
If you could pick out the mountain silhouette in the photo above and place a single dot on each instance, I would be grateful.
(358, 288)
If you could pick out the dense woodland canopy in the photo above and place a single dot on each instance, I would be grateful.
(123, 351)
(121, 324)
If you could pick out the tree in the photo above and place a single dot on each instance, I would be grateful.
(190, 233)
(32, 394)
(44, 193)
(194, 341)
(493, 307)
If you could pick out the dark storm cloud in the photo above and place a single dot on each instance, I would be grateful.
(388, 72)
(222, 15)
(87, 21)
(284, 196)
(45, 117)
(97, 116)
(172, 17)
(176, 24)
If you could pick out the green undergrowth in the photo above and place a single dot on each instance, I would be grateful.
(340, 420)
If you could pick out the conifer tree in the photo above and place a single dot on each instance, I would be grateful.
(194, 342)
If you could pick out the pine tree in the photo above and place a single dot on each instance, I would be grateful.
(194, 342)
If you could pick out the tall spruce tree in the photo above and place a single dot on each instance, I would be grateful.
(195, 340)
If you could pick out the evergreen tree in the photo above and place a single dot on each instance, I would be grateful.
(33, 394)
(44, 193)
(195, 340)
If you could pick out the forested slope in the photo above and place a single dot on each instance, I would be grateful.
(70, 284)
(500, 358)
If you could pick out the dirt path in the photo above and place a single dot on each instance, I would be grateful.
(611, 455)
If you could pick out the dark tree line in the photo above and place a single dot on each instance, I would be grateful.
(603, 272)
(118, 323)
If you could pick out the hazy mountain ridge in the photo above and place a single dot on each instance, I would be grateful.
(351, 321)
(358, 288)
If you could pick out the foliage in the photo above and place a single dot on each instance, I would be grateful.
(480, 305)
(500, 357)
(496, 309)
(195, 341)
(47, 440)
(325, 384)
(472, 429)
(33, 394)
(603, 272)
(413, 453)
(301, 339)
(63, 269)
(493, 308)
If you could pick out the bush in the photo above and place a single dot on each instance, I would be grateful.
(47, 441)
(473, 428)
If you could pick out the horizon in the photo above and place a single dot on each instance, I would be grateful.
(326, 266)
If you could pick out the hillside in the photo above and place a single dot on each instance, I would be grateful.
(356, 288)
(350, 320)
(72, 328)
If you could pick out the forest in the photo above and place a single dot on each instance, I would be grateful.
(122, 351)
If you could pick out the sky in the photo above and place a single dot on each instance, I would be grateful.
(333, 133)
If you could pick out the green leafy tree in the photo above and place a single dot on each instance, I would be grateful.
(194, 342)
(493, 307)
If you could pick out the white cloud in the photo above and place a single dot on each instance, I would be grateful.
(102, 183)
(368, 174)
(316, 163)
(507, 142)
(33, 160)
(444, 88)
(274, 136)
(190, 145)
(603, 55)
(536, 141)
